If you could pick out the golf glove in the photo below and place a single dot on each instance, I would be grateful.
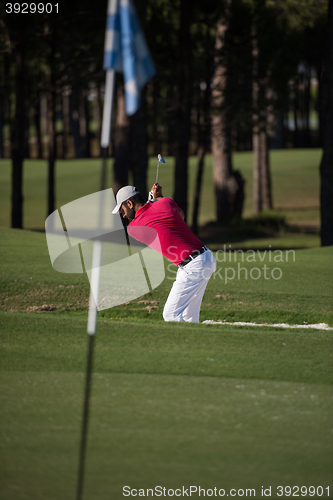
(151, 197)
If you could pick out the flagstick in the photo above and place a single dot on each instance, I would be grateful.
(95, 275)
(85, 417)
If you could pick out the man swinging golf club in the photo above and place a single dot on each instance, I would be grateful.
(178, 244)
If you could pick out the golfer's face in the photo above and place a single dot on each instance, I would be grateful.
(127, 212)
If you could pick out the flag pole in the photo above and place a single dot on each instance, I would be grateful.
(96, 262)
(95, 273)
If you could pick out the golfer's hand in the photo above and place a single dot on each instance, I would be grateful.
(157, 191)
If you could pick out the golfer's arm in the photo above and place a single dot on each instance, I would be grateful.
(157, 198)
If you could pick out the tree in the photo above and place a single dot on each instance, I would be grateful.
(203, 113)
(130, 142)
(122, 144)
(276, 27)
(262, 191)
(52, 149)
(183, 107)
(130, 146)
(229, 184)
(14, 54)
(326, 166)
(18, 139)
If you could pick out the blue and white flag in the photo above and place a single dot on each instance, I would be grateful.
(126, 51)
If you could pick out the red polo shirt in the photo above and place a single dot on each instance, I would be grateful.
(176, 240)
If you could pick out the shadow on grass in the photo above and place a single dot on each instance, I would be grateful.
(259, 228)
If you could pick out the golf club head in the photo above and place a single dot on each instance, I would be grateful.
(160, 159)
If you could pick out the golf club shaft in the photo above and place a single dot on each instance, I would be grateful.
(158, 164)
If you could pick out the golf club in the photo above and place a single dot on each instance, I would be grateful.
(162, 160)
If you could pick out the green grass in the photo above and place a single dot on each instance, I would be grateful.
(172, 404)
(295, 181)
(57, 344)
(173, 431)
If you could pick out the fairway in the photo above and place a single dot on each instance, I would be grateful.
(295, 184)
(173, 405)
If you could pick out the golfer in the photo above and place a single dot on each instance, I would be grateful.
(178, 244)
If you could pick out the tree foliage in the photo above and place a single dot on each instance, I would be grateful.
(65, 53)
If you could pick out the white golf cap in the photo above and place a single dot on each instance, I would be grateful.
(124, 194)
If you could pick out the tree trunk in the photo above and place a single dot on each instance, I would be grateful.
(131, 136)
(98, 112)
(74, 120)
(196, 205)
(52, 153)
(262, 198)
(5, 103)
(326, 167)
(262, 193)
(84, 124)
(139, 159)
(51, 126)
(183, 108)
(122, 149)
(296, 104)
(43, 120)
(137, 124)
(87, 121)
(203, 134)
(307, 85)
(256, 182)
(265, 172)
(256, 186)
(18, 140)
(229, 184)
(27, 126)
(155, 135)
(65, 122)
(1, 132)
(322, 99)
(38, 128)
(171, 127)
(130, 146)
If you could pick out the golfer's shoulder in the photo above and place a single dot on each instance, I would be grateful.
(168, 202)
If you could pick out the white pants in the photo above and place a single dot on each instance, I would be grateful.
(186, 294)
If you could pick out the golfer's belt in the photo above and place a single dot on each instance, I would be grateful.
(193, 256)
